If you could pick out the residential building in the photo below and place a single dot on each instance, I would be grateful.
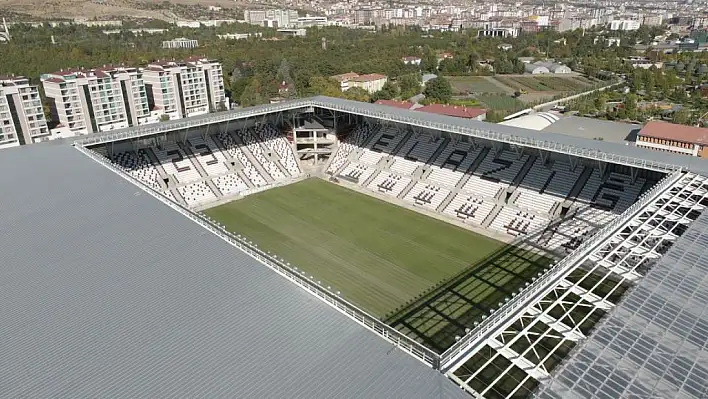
(344, 79)
(498, 32)
(85, 101)
(411, 60)
(308, 21)
(653, 20)
(8, 133)
(191, 87)
(22, 118)
(372, 82)
(675, 138)
(274, 18)
(180, 43)
(624, 24)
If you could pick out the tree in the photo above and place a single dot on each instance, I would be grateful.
(388, 92)
(164, 118)
(321, 86)
(517, 94)
(681, 116)
(357, 94)
(237, 88)
(409, 85)
(429, 63)
(253, 94)
(438, 90)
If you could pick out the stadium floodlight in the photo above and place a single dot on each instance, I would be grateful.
(339, 293)
(457, 337)
(329, 288)
(467, 330)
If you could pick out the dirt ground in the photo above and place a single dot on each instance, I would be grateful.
(97, 9)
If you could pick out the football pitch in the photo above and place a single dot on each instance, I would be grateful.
(380, 256)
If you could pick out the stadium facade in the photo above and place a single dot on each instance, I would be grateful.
(117, 274)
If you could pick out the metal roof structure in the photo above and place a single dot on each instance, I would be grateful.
(595, 129)
(585, 286)
(105, 291)
(655, 343)
(573, 146)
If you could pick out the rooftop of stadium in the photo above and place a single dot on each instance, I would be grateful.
(195, 258)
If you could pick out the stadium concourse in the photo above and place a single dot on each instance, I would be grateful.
(115, 289)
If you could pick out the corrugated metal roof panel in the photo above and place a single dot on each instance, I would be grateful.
(655, 343)
(107, 292)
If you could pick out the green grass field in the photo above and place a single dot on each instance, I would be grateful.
(393, 262)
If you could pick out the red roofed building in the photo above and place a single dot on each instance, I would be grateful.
(395, 104)
(671, 137)
(458, 111)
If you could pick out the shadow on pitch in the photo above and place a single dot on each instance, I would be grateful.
(451, 308)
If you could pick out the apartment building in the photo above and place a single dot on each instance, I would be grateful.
(186, 88)
(22, 118)
(181, 42)
(275, 18)
(97, 100)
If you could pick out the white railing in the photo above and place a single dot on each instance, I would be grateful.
(540, 287)
(401, 341)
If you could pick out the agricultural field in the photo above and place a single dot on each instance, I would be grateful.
(499, 102)
(556, 84)
(384, 258)
(473, 84)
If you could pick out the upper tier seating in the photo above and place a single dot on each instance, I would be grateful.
(209, 156)
(254, 145)
(140, 167)
(235, 152)
(278, 143)
(346, 146)
(494, 174)
(175, 162)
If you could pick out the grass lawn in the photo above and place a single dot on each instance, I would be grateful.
(380, 256)
(473, 84)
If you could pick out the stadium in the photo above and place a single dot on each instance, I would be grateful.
(328, 248)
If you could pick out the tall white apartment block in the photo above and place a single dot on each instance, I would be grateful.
(22, 118)
(67, 103)
(97, 100)
(186, 88)
(8, 133)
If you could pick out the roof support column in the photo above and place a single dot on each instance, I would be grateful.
(634, 173)
(544, 155)
(518, 150)
(603, 169)
(498, 146)
(573, 161)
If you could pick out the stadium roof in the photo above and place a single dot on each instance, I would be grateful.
(594, 129)
(107, 292)
(655, 343)
(592, 149)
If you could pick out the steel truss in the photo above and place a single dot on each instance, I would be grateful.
(523, 354)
